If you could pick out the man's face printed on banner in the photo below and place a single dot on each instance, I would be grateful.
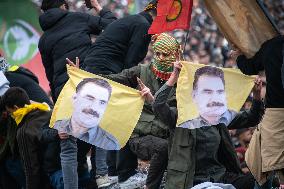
(210, 98)
(90, 104)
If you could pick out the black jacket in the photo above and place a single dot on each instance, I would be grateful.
(39, 148)
(122, 45)
(28, 81)
(270, 59)
(25, 79)
(67, 35)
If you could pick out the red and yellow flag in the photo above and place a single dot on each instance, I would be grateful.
(172, 14)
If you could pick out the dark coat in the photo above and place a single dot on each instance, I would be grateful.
(181, 165)
(67, 35)
(269, 59)
(122, 45)
(39, 148)
(25, 79)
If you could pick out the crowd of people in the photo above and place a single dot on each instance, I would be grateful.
(33, 156)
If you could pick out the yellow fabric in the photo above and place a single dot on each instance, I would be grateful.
(13, 68)
(19, 114)
(122, 112)
(237, 86)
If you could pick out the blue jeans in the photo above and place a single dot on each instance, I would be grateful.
(15, 169)
(69, 162)
(98, 161)
(56, 180)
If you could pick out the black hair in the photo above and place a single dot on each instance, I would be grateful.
(100, 82)
(15, 96)
(49, 4)
(209, 71)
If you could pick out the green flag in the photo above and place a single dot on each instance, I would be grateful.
(19, 35)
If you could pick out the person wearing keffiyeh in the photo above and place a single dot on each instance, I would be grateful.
(149, 140)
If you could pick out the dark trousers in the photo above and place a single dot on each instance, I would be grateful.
(111, 162)
(156, 150)
(6, 180)
(126, 163)
(239, 181)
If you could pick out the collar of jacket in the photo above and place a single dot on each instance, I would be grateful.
(19, 114)
(147, 16)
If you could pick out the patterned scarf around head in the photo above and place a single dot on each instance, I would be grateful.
(4, 65)
(166, 44)
(151, 5)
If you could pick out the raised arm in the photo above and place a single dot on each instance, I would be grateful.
(249, 66)
(98, 23)
(252, 117)
(138, 45)
(160, 106)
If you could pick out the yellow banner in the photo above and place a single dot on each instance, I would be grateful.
(97, 110)
(210, 95)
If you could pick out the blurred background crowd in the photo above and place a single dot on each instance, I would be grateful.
(205, 43)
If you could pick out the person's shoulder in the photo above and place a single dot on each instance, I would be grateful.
(138, 19)
(40, 114)
(279, 39)
(232, 112)
(77, 17)
(108, 141)
(191, 124)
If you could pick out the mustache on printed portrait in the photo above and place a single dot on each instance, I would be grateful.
(92, 112)
(215, 104)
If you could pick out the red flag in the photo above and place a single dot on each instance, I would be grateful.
(172, 14)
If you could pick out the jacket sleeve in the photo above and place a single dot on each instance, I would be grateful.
(127, 77)
(47, 63)
(97, 23)
(29, 152)
(249, 118)
(49, 135)
(251, 66)
(162, 109)
(138, 45)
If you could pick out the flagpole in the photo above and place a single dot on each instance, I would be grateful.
(185, 41)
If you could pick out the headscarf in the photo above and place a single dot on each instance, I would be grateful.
(4, 65)
(167, 44)
(19, 114)
(151, 5)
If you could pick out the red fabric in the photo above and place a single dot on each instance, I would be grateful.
(168, 8)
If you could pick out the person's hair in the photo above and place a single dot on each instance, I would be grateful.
(208, 71)
(100, 82)
(49, 4)
(152, 7)
(15, 96)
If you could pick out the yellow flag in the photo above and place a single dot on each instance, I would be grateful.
(97, 110)
(209, 95)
